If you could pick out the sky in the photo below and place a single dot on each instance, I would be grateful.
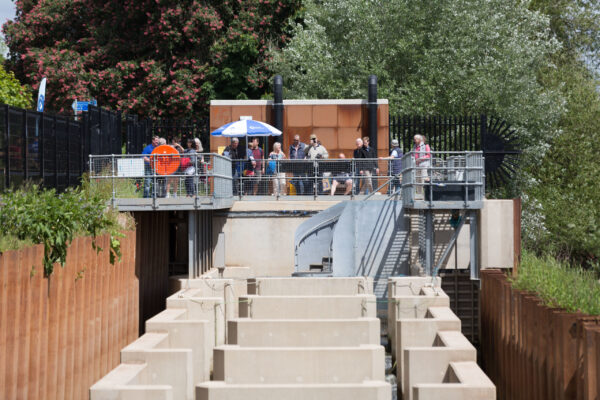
(7, 11)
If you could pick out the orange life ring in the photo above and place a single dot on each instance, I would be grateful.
(166, 160)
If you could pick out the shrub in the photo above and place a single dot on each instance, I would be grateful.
(31, 215)
(559, 284)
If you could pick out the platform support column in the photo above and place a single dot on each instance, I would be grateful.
(428, 242)
(474, 245)
(192, 251)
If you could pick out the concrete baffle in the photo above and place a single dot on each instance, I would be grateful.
(299, 338)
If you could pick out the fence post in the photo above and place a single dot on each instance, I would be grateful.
(24, 149)
(113, 181)
(7, 145)
(68, 152)
(41, 150)
(483, 130)
(55, 153)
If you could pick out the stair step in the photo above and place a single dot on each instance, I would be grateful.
(290, 365)
(303, 333)
(219, 390)
(307, 307)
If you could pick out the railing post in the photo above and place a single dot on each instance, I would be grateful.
(315, 174)
(113, 180)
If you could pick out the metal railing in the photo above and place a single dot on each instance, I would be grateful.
(320, 177)
(443, 178)
(162, 176)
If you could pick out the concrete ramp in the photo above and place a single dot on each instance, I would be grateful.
(301, 338)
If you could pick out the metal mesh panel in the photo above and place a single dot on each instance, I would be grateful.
(320, 177)
(3, 147)
(33, 156)
(49, 151)
(162, 176)
(16, 147)
(61, 130)
(74, 152)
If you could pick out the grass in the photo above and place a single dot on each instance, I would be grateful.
(559, 284)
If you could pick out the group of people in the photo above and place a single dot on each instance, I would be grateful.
(190, 163)
(358, 176)
(250, 165)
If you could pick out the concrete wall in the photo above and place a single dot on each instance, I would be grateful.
(337, 123)
(260, 234)
(497, 234)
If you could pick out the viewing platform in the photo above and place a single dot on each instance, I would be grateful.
(444, 180)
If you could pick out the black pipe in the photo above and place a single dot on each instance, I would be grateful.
(372, 106)
(278, 104)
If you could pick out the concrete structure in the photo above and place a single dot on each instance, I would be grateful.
(323, 344)
(176, 351)
(260, 234)
(463, 380)
(434, 360)
(410, 297)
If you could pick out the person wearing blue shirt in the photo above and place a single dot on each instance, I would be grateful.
(147, 168)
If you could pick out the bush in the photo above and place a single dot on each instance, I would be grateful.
(31, 215)
(559, 284)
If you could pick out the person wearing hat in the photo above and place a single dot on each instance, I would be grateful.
(316, 151)
(395, 165)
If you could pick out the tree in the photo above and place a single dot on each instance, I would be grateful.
(431, 57)
(151, 57)
(567, 179)
(12, 92)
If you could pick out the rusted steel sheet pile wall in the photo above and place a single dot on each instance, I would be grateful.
(531, 351)
(60, 335)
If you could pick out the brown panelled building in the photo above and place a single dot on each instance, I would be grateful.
(337, 123)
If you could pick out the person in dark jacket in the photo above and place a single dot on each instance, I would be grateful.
(237, 154)
(366, 168)
(298, 152)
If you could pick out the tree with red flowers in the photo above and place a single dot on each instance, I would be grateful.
(162, 58)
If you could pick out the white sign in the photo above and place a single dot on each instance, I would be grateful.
(243, 117)
(130, 167)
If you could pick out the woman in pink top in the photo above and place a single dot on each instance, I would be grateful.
(422, 156)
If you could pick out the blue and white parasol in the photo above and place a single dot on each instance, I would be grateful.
(246, 127)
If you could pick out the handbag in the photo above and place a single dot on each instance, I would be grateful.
(271, 167)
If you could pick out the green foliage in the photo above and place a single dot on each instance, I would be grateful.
(567, 180)
(11, 91)
(41, 216)
(164, 58)
(431, 57)
(558, 284)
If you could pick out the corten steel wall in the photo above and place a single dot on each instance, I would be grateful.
(337, 123)
(60, 335)
(152, 262)
(531, 351)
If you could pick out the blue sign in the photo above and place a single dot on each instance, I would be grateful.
(40, 104)
(79, 106)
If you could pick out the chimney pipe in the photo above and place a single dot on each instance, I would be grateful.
(372, 107)
(278, 104)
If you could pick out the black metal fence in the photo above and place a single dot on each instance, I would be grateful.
(140, 131)
(51, 149)
(453, 133)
